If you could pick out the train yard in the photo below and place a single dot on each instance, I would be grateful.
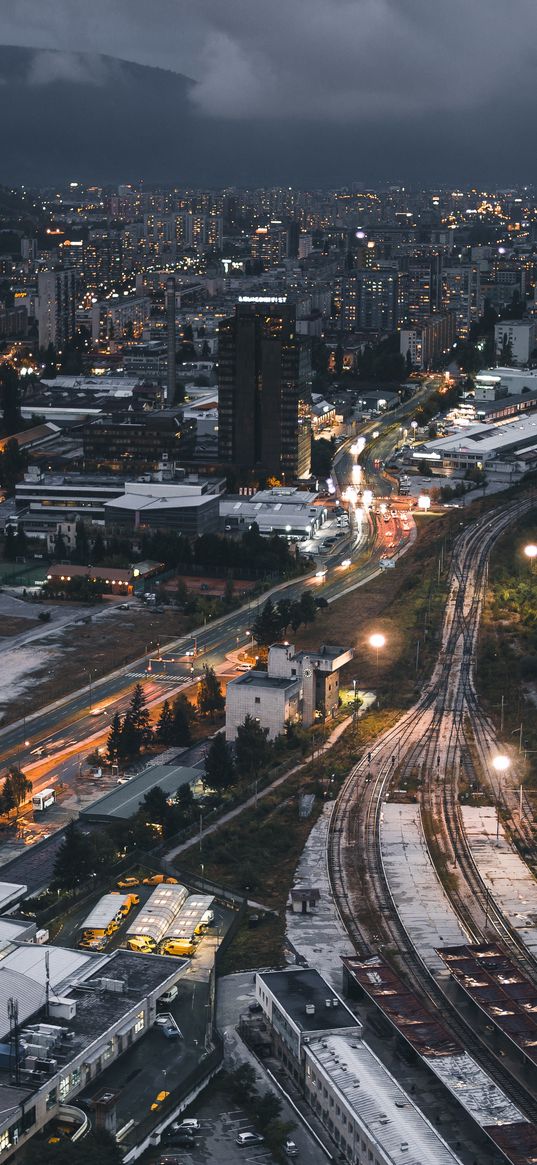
(413, 872)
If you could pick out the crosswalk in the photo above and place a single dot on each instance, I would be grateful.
(160, 678)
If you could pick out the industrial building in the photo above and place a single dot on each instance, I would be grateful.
(191, 509)
(65, 1016)
(295, 686)
(318, 1040)
(287, 511)
(124, 801)
(154, 919)
(104, 912)
(506, 449)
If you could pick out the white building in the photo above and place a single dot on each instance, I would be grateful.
(520, 334)
(296, 686)
(494, 448)
(281, 510)
(492, 383)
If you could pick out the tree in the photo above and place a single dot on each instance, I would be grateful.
(20, 785)
(74, 860)
(506, 354)
(113, 744)
(181, 592)
(219, 767)
(308, 608)
(98, 549)
(181, 717)
(164, 731)
(154, 807)
(284, 614)
(267, 625)
(7, 797)
(139, 714)
(10, 545)
(81, 543)
(12, 464)
(408, 362)
(251, 747)
(210, 698)
(268, 1108)
(296, 619)
(228, 591)
(98, 1148)
(60, 549)
(130, 741)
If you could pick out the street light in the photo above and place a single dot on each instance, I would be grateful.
(424, 503)
(377, 641)
(531, 552)
(501, 763)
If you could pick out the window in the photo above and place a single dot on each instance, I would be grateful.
(140, 1022)
(65, 1086)
(257, 700)
(51, 1099)
(4, 1140)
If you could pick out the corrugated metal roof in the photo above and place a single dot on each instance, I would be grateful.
(103, 912)
(190, 916)
(378, 1102)
(505, 874)
(162, 906)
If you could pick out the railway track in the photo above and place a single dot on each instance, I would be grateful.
(432, 739)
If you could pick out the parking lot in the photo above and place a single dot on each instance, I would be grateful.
(215, 1143)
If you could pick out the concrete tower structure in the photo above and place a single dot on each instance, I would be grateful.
(171, 339)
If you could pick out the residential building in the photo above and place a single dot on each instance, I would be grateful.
(56, 307)
(263, 372)
(520, 335)
(461, 295)
(300, 686)
(426, 341)
(370, 301)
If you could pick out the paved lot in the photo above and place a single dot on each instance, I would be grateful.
(221, 1122)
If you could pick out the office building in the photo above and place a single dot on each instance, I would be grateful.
(137, 442)
(171, 341)
(56, 307)
(264, 424)
(188, 508)
(519, 335)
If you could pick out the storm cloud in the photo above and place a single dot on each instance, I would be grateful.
(412, 89)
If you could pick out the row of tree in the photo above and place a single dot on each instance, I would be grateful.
(274, 619)
(131, 733)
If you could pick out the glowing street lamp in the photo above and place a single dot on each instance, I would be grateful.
(501, 763)
(377, 641)
(531, 552)
(413, 426)
(424, 503)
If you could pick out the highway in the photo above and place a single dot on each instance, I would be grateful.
(61, 735)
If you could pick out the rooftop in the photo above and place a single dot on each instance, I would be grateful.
(494, 982)
(125, 801)
(294, 989)
(402, 1007)
(261, 679)
(504, 872)
(379, 1103)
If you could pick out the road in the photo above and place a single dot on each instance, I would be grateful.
(60, 735)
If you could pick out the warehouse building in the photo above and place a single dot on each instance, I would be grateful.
(155, 918)
(497, 449)
(124, 801)
(75, 1015)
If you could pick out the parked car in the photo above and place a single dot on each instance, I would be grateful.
(290, 1149)
(128, 883)
(189, 1124)
(246, 1139)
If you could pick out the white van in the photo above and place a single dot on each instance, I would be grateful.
(169, 995)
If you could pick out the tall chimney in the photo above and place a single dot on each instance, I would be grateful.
(170, 325)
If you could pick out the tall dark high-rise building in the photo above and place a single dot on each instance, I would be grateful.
(263, 421)
(170, 338)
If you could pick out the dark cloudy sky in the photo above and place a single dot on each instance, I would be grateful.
(417, 89)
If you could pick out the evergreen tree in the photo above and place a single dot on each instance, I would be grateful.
(296, 616)
(113, 744)
(82, 544)
(267, 626)
(98, 550)
(165, 725)
(130, 741)
(284, 614)
(73, 862)
(180, 725)
(251, 747)
(210, 698)
(139, 714)
(219, 767)
(308, 608)
(10, 545)
(8, 796)
(60, 549)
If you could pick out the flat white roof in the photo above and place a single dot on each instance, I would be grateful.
(190, 916)
(378, 1102)
(510, 882)
(485, 438)
(103, 912)
(137, 502)
(420, 899)
(10, 892)
(23, 977)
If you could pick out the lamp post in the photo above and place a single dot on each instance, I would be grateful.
(377, 641)
(531, 552)
(501, 764)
